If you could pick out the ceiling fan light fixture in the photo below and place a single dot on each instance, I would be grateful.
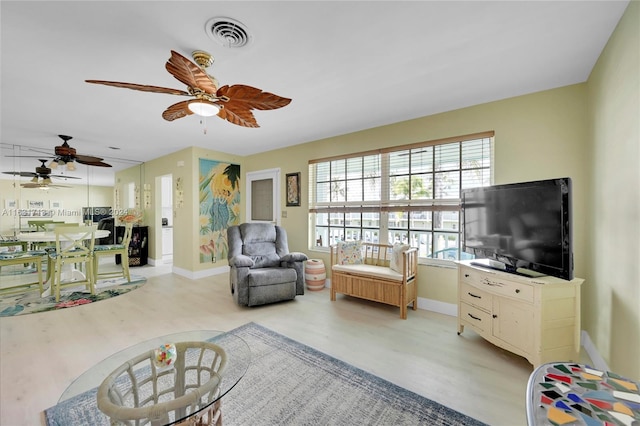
(53, 164)
(203, 108)
(71, 167)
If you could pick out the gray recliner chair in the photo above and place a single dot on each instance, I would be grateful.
(262, 269)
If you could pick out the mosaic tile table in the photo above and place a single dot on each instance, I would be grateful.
(575, 394)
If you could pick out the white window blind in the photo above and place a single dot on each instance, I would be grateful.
(408, 194)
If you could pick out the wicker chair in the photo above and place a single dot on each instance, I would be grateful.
(139, 393)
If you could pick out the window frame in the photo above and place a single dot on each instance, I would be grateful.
(389, 201)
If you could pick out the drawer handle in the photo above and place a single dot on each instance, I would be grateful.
(517, 290)
(474, 295)
(466, 275)
(474, 317)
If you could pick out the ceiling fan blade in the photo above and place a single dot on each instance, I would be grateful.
(30, 156)
(237, 114)
(252, 97)
(140, 87)
(88, 158)
(176, 111)
(189, 73)
(92, 163)
(41, 185)
(23, 174)
(64, 177)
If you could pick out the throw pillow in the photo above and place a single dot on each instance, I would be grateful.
(396, 256)
(349, 252)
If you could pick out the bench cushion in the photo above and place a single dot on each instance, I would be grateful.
(107, 247)
(21, 254)
(372, 271)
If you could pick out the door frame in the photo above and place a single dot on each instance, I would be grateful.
(274, 175)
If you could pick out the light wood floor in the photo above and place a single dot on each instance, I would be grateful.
(41, 354)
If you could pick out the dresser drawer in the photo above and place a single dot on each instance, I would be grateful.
(495, 284)
(476, 318)
(512, 289)
(475, 297)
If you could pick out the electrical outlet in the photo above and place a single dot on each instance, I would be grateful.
(284, 213)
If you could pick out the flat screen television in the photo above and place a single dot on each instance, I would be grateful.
(523, 228)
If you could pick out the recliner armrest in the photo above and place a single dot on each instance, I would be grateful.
(294, 257)
(241, 261)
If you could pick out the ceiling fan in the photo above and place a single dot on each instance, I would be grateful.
(231, 103)
(41, 178)
(66, 155)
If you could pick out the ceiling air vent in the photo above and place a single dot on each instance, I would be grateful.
(228, 32)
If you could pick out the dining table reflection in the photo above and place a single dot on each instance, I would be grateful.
(69, 273)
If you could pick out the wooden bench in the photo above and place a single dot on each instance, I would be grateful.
(374, 279)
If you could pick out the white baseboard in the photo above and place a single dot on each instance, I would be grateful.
(194, 275)
(591, 350)
(450, 309)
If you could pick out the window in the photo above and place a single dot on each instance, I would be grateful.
(408, 194)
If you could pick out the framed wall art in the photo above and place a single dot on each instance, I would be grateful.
(35, 205)
(293, 189)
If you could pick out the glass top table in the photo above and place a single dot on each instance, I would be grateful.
(238, 358)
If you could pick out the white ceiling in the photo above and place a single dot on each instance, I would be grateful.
(347, 66)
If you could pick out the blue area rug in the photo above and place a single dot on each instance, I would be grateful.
(30, 302)
(289, 383)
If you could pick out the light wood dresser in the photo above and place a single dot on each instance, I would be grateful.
(537, 318)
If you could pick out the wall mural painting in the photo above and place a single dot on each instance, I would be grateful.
(219, 207)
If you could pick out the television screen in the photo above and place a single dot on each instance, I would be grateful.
(525, 226)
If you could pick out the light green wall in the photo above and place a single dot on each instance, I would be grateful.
(73, 199)
(537, 136)
(612, 296)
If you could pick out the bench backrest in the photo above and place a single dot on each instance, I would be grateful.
(381, 255)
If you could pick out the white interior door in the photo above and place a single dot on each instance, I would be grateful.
(263, 195)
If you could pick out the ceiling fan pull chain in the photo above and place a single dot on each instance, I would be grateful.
(204, 125)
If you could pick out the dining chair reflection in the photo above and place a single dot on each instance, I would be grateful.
(74, 250)
(102, 250)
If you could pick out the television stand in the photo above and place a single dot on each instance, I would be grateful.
(537, 318)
